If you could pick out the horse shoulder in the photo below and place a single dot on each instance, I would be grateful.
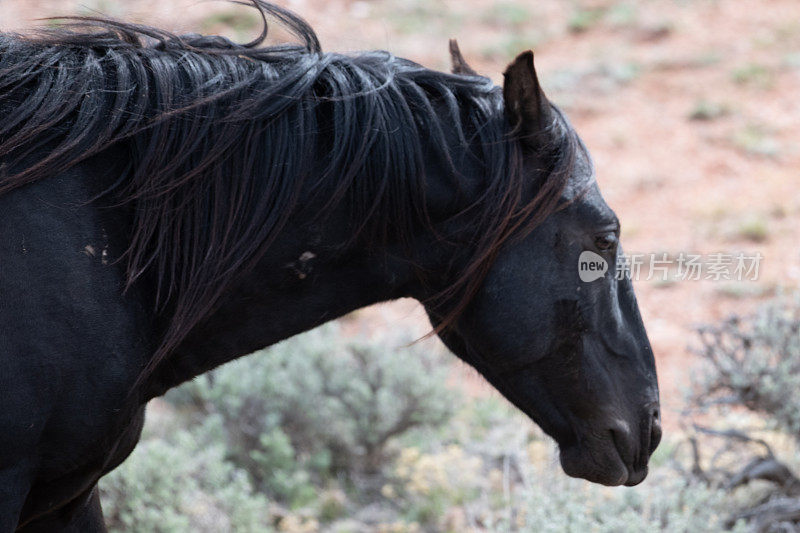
(71, 343)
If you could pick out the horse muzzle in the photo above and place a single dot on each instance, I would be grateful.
(613, 452)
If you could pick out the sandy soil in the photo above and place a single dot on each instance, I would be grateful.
(690, 110)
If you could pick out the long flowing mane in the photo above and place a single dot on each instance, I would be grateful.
(221, 138)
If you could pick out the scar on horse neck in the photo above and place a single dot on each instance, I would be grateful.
(301, 267)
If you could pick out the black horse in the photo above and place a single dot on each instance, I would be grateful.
(170, 203)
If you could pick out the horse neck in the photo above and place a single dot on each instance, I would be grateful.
(305, 280)
(301, 284)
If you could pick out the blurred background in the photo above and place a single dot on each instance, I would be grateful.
(690, 109)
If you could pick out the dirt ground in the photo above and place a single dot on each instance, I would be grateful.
(690, 109)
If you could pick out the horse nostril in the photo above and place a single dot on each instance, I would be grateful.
(655, 430)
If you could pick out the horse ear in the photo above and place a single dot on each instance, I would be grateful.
(460, 65)
(527, 108)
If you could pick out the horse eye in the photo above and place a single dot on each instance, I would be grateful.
(605, 241)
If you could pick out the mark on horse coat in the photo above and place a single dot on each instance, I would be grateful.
(104, 254)
(91, 251)
(301, 266)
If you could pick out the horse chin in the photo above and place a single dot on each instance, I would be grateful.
(601, 464)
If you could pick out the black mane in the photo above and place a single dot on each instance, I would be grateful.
(220, 137)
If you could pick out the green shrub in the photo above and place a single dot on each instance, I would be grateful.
(707, 110)
(584, 19)
(561, 505)
(755, 362)
(507, 14)
(754, 74)
(317, 407)
(757, 141)
(182, 485)
(364, 436)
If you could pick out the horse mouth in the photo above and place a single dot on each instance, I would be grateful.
(606, 460)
